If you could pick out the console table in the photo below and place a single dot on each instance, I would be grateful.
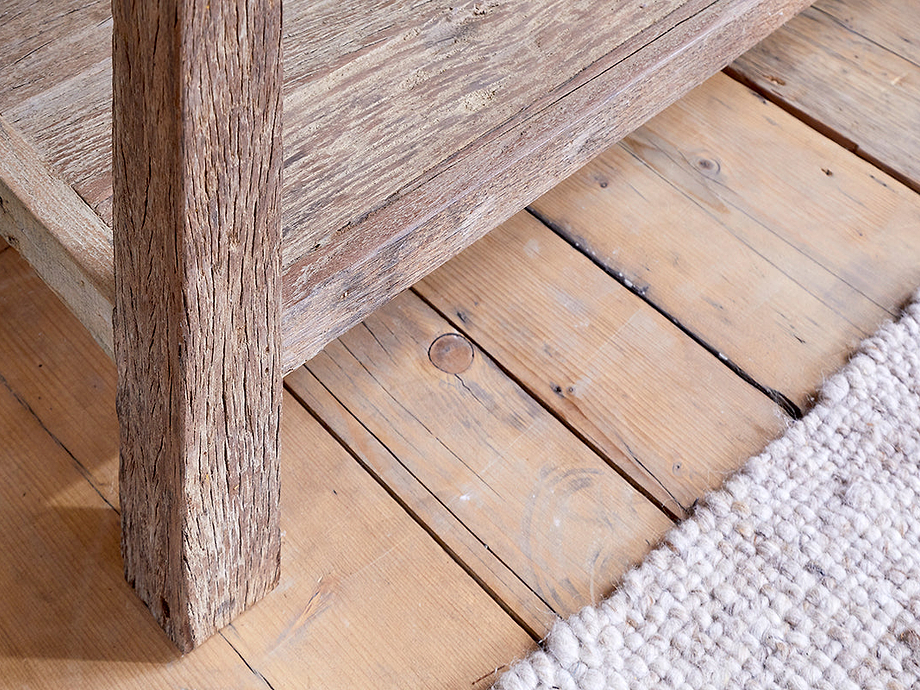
(212, 239)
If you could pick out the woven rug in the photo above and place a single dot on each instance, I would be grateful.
(803, 571)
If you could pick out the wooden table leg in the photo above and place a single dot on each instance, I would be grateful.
(197, 166)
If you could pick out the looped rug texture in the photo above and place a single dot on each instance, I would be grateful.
(803, 571)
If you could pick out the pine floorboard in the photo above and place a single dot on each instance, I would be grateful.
(367, 599)
(497, 446)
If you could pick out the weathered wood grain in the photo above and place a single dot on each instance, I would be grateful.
(197, 151)
(488, 181)
(54, 229)
(480, 461)
(451, 73)
(463, 114)
(57, 62)
(351, 554)
(650, 399)
(853, 70)
(43, 47)
(773, 244)
(409, 70)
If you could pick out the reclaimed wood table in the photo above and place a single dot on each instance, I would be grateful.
(212, 239)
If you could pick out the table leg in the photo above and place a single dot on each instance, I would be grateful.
(197, 225)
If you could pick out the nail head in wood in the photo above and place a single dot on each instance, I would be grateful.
(451, 353)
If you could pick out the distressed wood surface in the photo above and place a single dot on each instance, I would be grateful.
(43, 49)
(509, 475)
(448, 74)
(53, 228)
(773, 244)
(197, 151)
(383, 55)
(56, 89)
(852, 69)
(449, 151)
(653, 402)
(366, 598)
(487, 181)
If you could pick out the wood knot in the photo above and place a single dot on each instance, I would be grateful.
(707, 166)
(451, 353)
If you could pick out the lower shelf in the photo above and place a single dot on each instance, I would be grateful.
(364, 222)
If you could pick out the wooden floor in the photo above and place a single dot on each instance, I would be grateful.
(495, 447)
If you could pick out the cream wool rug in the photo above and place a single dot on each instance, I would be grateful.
(803, 571)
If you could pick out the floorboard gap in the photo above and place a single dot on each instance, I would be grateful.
(784, 402)
(535, 635)
(823, 129)
(458, 325)
(255, 671)
(81, 468)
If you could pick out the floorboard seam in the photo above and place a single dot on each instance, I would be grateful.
(671, 515)
(785, 403)
(535, 635)
(823, 129)
(867, 39)
(254, 671)
(81, 468)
